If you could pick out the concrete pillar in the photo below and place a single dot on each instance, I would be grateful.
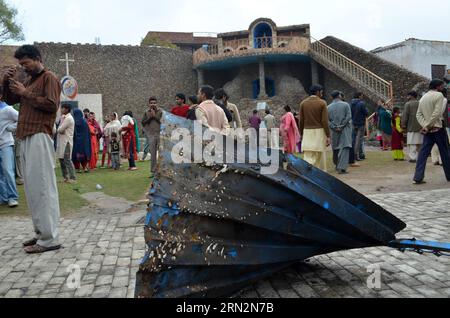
(314, 72)
(200, 78)
(220, 45)
(274, 39)
(262, 79)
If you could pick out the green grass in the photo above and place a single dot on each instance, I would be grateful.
(131, 186)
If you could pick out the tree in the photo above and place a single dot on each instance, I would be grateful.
(155, 41)
(10, 29)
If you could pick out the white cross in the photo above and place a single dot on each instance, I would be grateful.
(67, 63)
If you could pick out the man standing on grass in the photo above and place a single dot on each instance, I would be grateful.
(65, 144)
(152, 129)
(8, 124)
(39, 100)
(430, 117)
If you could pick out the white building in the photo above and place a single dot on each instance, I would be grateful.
(428, 58)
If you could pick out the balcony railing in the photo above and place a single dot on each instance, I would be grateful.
(240, 46)
(236, 44)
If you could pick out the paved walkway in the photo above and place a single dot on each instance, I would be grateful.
(345, 274)
(107, 245)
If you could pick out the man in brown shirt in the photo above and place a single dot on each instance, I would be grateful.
(314, 128)
(39, 99)
(152, 128)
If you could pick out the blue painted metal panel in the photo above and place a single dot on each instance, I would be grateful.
(211, 231)
(437, 248)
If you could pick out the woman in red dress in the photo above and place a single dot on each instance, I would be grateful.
(129, 140)
(94, 143)
(397, 136)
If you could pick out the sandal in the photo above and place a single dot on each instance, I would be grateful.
(37, 249)
(31, 242)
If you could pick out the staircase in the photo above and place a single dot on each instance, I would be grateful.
(369, 83)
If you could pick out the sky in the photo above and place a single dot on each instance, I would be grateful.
(365, 23)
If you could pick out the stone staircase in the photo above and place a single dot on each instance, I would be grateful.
(372, 85)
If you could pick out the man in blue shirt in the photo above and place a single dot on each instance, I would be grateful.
(359, 116)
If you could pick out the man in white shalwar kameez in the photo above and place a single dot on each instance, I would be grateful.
(314, 128)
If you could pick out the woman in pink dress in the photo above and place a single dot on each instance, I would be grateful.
(289, 132)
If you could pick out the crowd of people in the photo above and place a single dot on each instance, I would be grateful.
(44, 127)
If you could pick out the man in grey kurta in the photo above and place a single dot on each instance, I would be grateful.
(340, 118)
(412, 126)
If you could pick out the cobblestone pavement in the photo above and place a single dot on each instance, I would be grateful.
(108, 246)
(345, 274)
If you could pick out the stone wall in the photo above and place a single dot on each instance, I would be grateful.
(332, 82)
(290, 82)
(126, 76)
(290, 79)
(403, 80)
(7, 55)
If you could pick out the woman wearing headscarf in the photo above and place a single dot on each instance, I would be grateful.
(81, 154)
(129, 140)
(385, 126)
(136, 133)
(113, 126)
(95, 149)
(289, 132)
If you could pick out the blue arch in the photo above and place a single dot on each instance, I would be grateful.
(261, 30)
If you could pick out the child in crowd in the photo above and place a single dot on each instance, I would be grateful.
(115, 151)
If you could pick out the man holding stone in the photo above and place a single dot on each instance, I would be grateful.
(39, 98)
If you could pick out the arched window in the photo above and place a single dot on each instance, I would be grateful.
(262, 34)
